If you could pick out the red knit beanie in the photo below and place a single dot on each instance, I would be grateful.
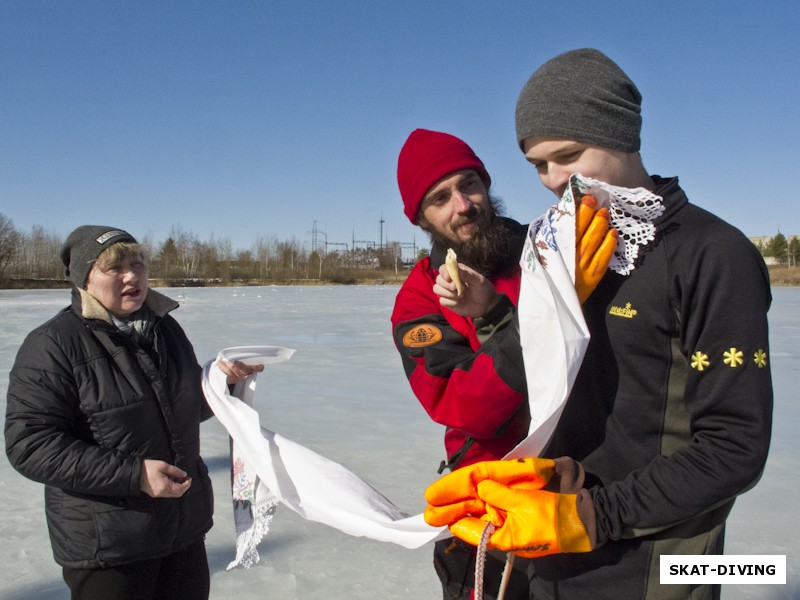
(425, 158)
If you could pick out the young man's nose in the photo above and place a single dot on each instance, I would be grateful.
(556, 179)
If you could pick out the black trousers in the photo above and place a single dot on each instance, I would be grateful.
(179, 576)
(454, 562)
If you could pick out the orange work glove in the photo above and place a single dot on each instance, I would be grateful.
(595, 243)
(455, 496)
(529, 523)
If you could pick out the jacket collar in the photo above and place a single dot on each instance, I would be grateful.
(87, 306)
(672, 194)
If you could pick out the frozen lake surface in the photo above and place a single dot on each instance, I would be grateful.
(344, 395)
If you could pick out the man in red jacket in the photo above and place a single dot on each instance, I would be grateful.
(466, 372)
(464, 377)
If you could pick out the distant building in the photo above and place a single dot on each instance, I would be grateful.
(761, 240)
(761, 243)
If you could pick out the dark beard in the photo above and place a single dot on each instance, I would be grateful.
(489, 250)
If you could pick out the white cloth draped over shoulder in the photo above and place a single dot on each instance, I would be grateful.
(554, 339)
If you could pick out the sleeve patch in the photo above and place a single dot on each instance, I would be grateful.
(422, 336)
(699, 361)
(732, 357)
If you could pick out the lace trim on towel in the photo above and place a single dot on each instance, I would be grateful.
(632, 211)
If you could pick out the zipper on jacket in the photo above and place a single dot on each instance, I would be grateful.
(453, 460)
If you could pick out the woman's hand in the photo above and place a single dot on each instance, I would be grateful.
(163, 480)
(237, 371)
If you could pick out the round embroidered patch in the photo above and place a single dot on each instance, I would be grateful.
(421, 336)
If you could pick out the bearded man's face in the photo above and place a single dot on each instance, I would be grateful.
(458, 212)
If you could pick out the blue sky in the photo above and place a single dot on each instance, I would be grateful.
(246, 119)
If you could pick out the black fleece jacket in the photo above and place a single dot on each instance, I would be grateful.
(671, 411)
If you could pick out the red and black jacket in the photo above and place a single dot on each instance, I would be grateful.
(467, 374)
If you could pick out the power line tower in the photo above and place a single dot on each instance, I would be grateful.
(314, 243)
(367, 243)
(412, 246)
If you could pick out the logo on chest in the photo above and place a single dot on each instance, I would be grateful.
(626, 312)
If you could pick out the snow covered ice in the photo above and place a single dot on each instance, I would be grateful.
(344, 394)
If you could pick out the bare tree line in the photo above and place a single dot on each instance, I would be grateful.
(31, 259)
(184, 259)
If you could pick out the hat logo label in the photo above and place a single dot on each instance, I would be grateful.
(110, 235)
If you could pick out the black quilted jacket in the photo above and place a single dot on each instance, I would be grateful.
(86, 406)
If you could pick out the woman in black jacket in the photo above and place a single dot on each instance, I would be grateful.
(104, 408)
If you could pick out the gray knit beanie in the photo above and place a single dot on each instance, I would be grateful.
(84, 245)
(581, 95)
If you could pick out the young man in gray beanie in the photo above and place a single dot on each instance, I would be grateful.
(670, 415)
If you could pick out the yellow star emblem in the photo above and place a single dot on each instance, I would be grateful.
(733, 357)
(760, 358)
(699, 361)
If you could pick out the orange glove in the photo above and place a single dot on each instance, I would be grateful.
(595, 243)
(455, 496)
(530, 523)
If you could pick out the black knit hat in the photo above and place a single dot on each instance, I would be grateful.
(581, 95)
(84, 245)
